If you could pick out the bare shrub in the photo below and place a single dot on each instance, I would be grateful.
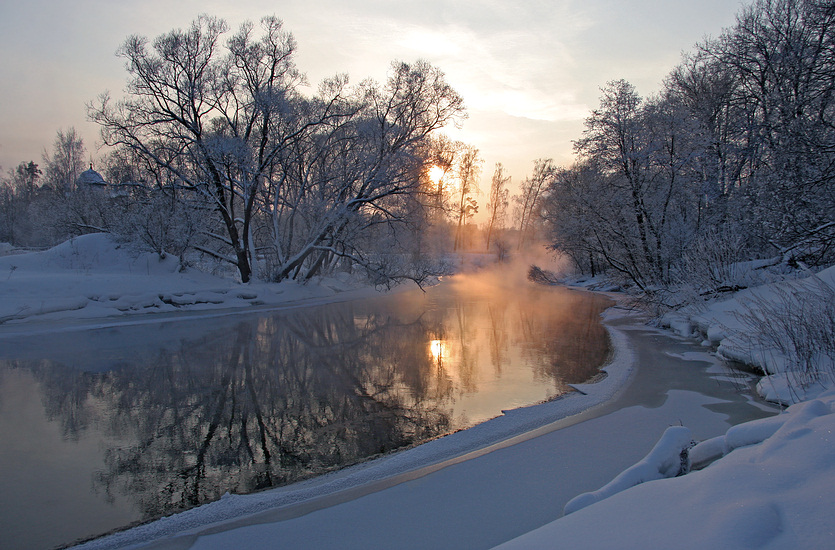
(714, 262)
(793, 331)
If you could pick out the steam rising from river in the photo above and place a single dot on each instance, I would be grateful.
(512, 272)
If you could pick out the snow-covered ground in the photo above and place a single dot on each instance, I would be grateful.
(93, 278)
(781, 327)
(769, 483)
(772, 489)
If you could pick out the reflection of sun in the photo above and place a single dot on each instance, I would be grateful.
(437, 348)
(436, 174)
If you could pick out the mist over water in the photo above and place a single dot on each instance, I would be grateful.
(152, 419)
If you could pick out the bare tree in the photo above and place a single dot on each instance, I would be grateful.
(530, 198)
(469, 170)
(497, 202)
(65, 164)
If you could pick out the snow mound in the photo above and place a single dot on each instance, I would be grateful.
(771, 487)
(94, 253)
(94, 277)
(667, 459)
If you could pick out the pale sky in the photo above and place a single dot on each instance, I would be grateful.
(529, 70)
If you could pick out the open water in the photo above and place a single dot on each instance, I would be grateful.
(102, 428)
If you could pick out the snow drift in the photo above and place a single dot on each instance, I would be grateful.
(770, 488)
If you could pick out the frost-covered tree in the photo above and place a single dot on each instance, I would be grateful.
(782, 53)
(733, 159)
(17, 194)
(363, 170)
(613, 140)
(707, 89)
(290, 178)
(25, 178)
(206, 116)
(578, 215)
(631, 195)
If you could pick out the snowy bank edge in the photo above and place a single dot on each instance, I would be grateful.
(91, 282)
(720, 324)
(436, 454)
(751, 443)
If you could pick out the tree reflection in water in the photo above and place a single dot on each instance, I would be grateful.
(276, 400)
(285, 396)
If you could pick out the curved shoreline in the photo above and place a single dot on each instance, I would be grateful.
(277, 504)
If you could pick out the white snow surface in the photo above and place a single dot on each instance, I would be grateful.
(721, 322)
(766, 484)
(665, 460)
(92, 277)
(773, 489)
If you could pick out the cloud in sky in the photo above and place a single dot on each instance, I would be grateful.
(529, 70)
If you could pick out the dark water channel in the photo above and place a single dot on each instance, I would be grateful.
(102, 428)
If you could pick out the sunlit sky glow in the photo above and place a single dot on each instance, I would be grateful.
(529, 71)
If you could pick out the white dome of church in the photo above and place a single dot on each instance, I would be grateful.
(91, 177)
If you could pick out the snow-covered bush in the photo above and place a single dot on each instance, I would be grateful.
(791, 333)
(152, 221)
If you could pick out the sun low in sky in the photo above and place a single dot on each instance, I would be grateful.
(529, 71)
(436, 174)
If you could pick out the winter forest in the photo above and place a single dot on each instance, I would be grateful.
(731, 161)
(216, 156)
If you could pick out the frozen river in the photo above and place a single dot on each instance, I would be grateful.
(101, 428)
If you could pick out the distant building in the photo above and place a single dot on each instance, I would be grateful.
(91, 177)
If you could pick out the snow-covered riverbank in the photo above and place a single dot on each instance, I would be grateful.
(90, 279)
(783, 328)
(773, 489)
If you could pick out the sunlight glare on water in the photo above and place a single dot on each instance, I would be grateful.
(437, 348)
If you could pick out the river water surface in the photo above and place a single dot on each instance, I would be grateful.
(101, 428)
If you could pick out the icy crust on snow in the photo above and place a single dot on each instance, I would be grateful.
(452, 447)
(721, 324)
(93, 277)
(771, 488)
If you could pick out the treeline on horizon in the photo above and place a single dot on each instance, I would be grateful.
(216, 150)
